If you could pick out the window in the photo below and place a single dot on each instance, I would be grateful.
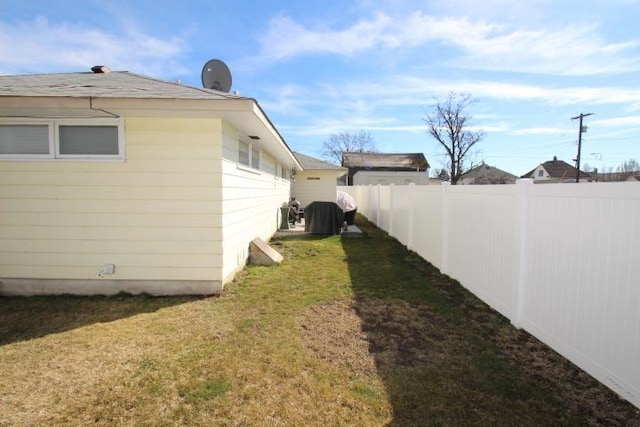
(62, 139)
(29, 140)
(249, 154)
(88, 140)
(540, 172)
(268, 164)
(243, 153)
(255, 157)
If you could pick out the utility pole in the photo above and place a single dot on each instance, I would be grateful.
(581, 130)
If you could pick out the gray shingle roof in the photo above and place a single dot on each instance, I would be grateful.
(123, 89)
(558, 169)
(308, 162)
(115, 84)
(408, 161)
(486, 173)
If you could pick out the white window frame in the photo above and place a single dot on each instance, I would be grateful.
(54, 139)
(240, 162)
(252, 148)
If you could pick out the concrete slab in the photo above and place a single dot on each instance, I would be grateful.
(260, 253)
(352, 231)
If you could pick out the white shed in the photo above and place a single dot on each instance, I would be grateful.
(317, 182)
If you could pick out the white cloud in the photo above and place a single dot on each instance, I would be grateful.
(289, 99)
(365, 105)
(540, 131)
(486, 89)
(38, 46)
(570, 50)
(618, 121)
(286, 38)
(349, 98)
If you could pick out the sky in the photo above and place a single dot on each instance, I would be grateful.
(320, 68)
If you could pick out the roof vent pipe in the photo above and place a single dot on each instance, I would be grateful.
(100, 69)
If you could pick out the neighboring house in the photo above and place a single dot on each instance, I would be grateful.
(554, 171)
(385, 168)
(112, 181)
(317, 181)
(485, 174)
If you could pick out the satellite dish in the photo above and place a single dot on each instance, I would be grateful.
(216, 76)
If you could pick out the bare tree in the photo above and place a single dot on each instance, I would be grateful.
(629, 166)
(346, 141)
(441, 174)
(449, 125)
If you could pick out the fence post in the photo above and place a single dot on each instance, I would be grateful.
(522, 234)
(410, 220)
(391, 207)
(444, 268)
(378, 206)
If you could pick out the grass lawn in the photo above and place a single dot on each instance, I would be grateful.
(345, 332)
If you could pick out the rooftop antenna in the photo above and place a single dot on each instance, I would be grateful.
(216, 76)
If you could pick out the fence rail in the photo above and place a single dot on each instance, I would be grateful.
(560, 261)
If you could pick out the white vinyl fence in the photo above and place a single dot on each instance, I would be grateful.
(561, 261)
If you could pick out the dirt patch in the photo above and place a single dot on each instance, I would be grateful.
(377, 337)
(401, 334)
(374, 334)
(334, 332)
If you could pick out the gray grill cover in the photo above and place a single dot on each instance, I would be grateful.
(323, 218)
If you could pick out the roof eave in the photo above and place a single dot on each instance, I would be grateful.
(244, 113)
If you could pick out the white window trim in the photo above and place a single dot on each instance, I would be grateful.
(249, 169)
(54, 139)
(251, 146)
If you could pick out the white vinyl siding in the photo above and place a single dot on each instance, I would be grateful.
(315, 186)
(252, 194)
(157, 216)
(251, 207)
(174, 211)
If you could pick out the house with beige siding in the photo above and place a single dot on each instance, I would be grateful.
(317, 181)
(113, 181)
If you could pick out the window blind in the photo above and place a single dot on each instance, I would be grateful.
(88, 140)
(24, 139)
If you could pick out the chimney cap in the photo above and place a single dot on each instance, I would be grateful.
(100, 69)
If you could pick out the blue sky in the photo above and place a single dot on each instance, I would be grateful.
(318, 68)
